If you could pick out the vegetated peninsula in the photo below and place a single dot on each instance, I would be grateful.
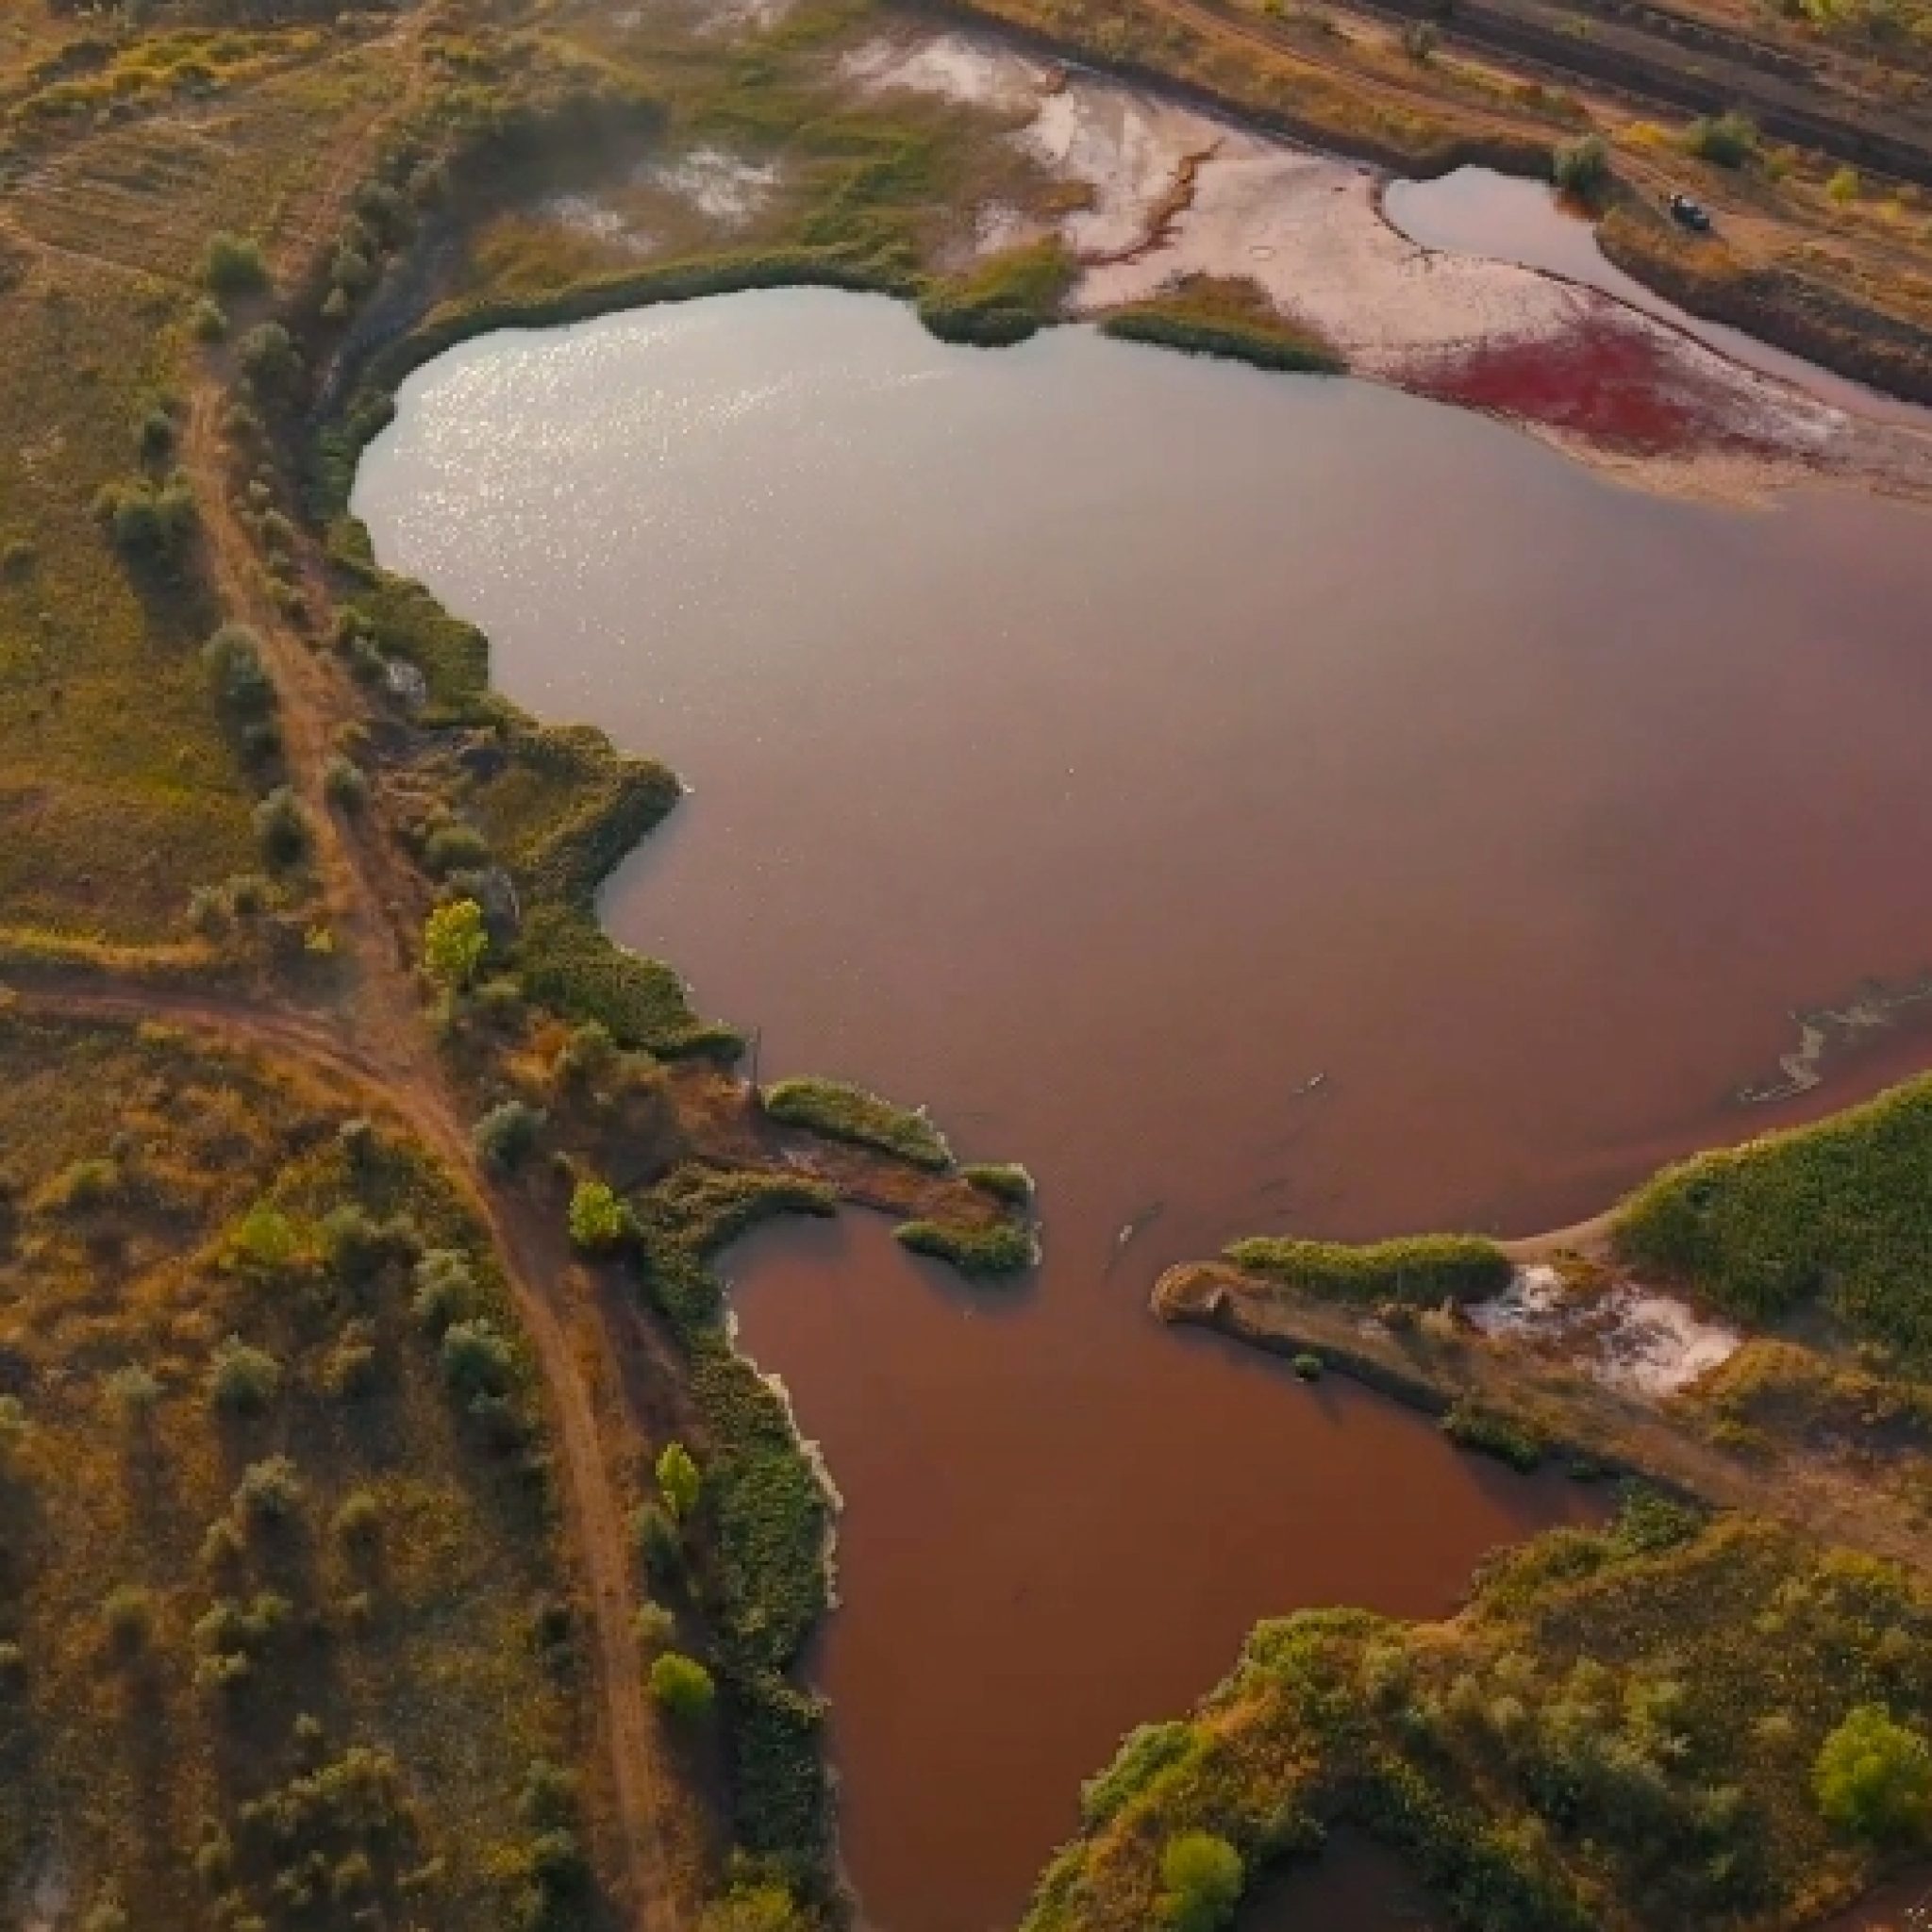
(394, 1532)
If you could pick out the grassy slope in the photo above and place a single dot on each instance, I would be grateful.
(111, 809)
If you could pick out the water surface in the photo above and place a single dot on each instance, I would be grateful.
(1100, 745)
(1507, 218)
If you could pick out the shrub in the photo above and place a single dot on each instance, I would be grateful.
(505, 1136)
(267, 353)
(476, 1358)
(234, 264)
(549, 1796)
(282, 828)
(243, 1380)
(1421, 1269)
(155, 435)
(1471, 1426)
(656, 1626)
(1843, 187)
(586, 1055)
(358, 1518)
(233, 655)
(446, 1289)
(264, 1241)
(660, 1547)
(270, 1490)
(456, 848)
(682, 1686)
(1307, 1367)
(1873, 1777)
(207, 321)
(148, 522)
(678, 1481)
(128, 1614)
(751, 1907)
(1729, 141)
(455, 944)
(600, 1222)
(1203, 1878)
(844, 1112)
(1582, 168)
(345, 784)
(133, 1392)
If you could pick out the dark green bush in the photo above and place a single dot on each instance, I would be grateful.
(1420, 1270)
(1473, 1425)
(1002, 300)
(844, 1112)
(1000, 1247)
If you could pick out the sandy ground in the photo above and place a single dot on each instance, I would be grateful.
(1171, 191)
(1629, 1338)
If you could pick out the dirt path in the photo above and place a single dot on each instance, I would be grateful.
(375, 1043)
(545, 1281)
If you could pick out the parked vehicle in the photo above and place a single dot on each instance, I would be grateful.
(1690, 214)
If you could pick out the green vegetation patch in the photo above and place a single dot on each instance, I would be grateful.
(1002, 300)
(995, 1248)
(1221, 316)
(765, 1581)
(1423, 1270)
(844, 1112)
(1839, 1213)
(1668, 1722)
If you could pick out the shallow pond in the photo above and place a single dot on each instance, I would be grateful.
(1102, 746)
(1507, 218)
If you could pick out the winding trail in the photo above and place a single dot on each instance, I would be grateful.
(373, 1042)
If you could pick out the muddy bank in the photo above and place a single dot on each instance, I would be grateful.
(1169, 192)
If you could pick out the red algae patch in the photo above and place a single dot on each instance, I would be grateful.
(1622, 387)
(1170, 192)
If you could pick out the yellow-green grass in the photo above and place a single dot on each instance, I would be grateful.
(118, 793)
(1228, 317)
(1417, 1269)
(132, 1158)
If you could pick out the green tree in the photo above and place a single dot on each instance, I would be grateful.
(752, 1907)
(678, 1481)
(234, 265)
(682, 1686)
(1203, 1877)
(599, 1220)
(455, 944)
(1582, 168)
(243, 1380)
(1873, 1777)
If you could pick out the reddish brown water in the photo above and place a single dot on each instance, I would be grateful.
(1100, 745)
